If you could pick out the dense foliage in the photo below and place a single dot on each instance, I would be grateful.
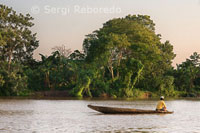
(17, 44)
(124, 58)
(187, 76)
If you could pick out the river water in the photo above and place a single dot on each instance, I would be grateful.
(73, 116)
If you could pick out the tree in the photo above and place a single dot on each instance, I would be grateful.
(130, 74)
(49, 64)
(17, 40)
(134, 37)
(167, 86)
(65, 52)
(12, 82)
(83, 83)
(17, 44)
(2, 81)
(54, 72)
(187, 73)
(111, 51)
(77, 55)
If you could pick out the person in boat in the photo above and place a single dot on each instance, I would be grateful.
(161, 106)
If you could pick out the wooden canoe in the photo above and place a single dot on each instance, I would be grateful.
(113, 110)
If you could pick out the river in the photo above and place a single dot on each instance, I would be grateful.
(73, 116)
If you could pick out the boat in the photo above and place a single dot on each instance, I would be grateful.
(114, 110)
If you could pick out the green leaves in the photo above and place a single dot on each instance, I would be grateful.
(120, 59)
(12, 82)
(187, 74)
(122, 40)
(16, 40)
(2, 81)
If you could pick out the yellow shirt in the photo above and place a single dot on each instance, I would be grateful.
(161, 104)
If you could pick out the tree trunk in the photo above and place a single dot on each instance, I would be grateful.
(118, 64)
(47, 82)
(112, 73)
(9, 59)
(110, 68)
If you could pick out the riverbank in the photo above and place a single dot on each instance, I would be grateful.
(138, 94)
(64, 95)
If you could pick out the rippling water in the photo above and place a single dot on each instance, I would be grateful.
(46, 116)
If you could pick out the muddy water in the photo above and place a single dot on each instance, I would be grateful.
(73, 116)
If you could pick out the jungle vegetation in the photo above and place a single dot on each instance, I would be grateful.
(124, 58)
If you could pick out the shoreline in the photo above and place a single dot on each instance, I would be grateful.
(93, 98)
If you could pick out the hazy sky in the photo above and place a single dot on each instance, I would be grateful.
(66, 22)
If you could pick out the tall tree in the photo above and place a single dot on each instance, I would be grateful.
(188, 73)
(141, 43)
(17, 42)
(63, 50)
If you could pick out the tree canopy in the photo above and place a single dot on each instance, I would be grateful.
(16, 39)
(130, 37)
(17, 44)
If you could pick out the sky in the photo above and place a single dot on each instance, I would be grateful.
(66, 22)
